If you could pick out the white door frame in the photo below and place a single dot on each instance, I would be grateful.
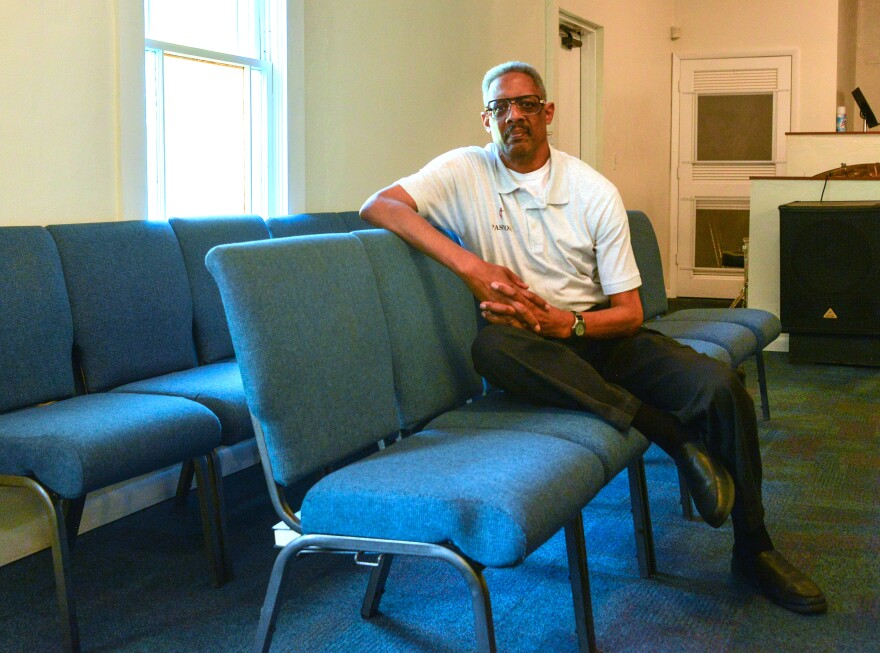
(591, 77)
(677, 58)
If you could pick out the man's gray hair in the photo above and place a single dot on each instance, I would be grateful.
(513, 67)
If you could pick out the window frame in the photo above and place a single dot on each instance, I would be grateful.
(270, 127)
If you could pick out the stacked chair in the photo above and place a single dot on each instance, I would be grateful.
(741, 332)
(60, 443)
(382, 349)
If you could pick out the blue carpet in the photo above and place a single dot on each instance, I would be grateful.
(142, 583)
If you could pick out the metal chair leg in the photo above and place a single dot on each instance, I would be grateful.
(484, 626)
(579, 576)
(269, 611)
(184, 483)
(376, 586)
(762, 385)
(73, 511)
(210, 489)
(641, 511)
(60, 557)
(472, 573)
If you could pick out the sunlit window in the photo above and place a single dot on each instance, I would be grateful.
(215, 107)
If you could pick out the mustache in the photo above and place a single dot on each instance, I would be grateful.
(522, 125)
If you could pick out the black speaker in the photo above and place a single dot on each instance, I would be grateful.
(830, 281)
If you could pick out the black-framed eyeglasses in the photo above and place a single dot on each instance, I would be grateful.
(528, 105)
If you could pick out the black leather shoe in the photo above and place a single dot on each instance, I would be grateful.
(708, 481)
(780, 581)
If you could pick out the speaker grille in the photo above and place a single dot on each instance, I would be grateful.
(829, 260)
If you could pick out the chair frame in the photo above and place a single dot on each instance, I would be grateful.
(469, 569)
(64, 517)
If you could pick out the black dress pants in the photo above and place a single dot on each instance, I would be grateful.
(611, 378)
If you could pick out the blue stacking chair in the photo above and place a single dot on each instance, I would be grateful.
(59, 445)
(741, 332)
(307, 224)
(311, 333)
(697, 326)
(196, 236)
(729, 335)
(436, 382)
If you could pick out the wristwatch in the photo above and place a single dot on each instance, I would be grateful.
(578, 328)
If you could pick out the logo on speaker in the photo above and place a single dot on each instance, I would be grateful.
(830, 314)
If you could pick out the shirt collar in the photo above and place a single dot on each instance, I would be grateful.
(557, 188)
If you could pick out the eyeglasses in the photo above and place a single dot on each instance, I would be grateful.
(528, 105)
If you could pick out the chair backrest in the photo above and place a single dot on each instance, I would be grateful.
(36, 329)
(432, 322)
(312, 343)
(647, 253)
(353, 221)
(196, 237)
(307, 224)
(130, 300)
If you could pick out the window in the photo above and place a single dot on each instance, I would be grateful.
(215, 96)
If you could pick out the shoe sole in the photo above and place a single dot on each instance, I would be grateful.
(727, 489)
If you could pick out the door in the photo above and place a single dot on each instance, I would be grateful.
(576, 123)
(729, 125)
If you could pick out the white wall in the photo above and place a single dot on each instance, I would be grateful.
(393, 83)
(58, 145)
(760, 27)
(868, 59)
(847, 39)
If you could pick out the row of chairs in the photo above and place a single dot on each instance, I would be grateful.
(116, 359)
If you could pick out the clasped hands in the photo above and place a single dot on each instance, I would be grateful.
(506, 299)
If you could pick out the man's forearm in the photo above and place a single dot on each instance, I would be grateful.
(393, 209)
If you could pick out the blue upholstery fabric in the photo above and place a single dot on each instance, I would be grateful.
(130, 300)
(647, 253)
(216, 386)
(36, 329)
(91, 441)
(353, 221)
(432, 321)
(739, 341)
(196, 236)
(310, 337)
(614, 449)
(711, 350)
(496, 495)
(306, 224)
(765, 326)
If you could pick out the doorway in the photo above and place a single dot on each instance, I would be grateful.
(730, 116)
(576, 124)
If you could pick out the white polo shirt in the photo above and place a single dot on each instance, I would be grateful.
(571, 247)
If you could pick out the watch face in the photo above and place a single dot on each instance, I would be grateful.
(579, 327)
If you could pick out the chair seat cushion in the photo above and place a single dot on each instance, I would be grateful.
(217, 386)
(496, 495)
(738, 340)
(91, 441)
(765, 326)
(497, 410)
(711, 350)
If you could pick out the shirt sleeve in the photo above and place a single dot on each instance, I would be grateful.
(434, 190)
(615, 260)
